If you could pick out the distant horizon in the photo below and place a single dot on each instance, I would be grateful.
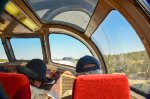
(79, 58)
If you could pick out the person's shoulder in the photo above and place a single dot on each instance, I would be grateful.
(39, 93)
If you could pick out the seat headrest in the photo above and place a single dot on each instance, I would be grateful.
(15, 85)
(101, 86)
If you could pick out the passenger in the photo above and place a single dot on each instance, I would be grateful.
(36, 72)
(85, 65)
(88, 65)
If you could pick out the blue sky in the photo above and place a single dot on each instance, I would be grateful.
(114, 36)
(67, 46)
(27, 48)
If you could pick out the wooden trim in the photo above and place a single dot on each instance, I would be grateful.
(47, 28)
(10, 27)
(47, 48)
(136, 96)
(101, 11)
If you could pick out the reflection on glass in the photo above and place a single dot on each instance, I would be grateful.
(74, 13)
(77, 18)
(123, 51)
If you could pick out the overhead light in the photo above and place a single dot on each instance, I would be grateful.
(12, 9)
(31, 25)
(20, 16)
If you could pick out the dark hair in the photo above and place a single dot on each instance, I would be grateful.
(35, 70)
(39, 67)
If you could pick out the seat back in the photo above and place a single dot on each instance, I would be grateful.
(102, 86)
(16, 85)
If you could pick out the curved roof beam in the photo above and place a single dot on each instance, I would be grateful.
(101, 11)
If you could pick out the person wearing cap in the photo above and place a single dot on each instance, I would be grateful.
(85, 65)
(88, 65)
(35, 70)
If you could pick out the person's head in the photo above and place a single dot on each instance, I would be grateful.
(88, 65)
(39, 67)
(36, 72)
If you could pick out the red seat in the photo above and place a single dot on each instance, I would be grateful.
(102, 86)
(16, 85)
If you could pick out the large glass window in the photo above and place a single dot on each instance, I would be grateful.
(66, 49)
(123, 50)
(26, 48)
(74, 13)
(3, 57)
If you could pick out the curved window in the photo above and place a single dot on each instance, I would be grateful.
(123, 50)
(66, 49)
(73, 13)
(26, 48)
(3, 57)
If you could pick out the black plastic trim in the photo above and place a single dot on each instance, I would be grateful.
(140, 92)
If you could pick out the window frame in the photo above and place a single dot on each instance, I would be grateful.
(11, 50)
(69, 36)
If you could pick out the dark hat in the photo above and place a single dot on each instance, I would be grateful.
(35, 69)
(87, 63)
